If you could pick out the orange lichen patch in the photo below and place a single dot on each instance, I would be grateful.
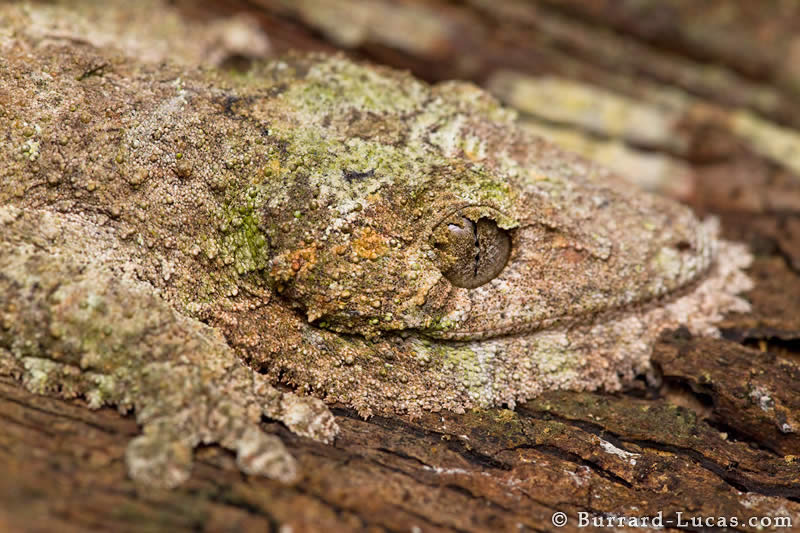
(572, 256)
(303, 260)
(472, 155)
(559, 241)
(370, 244)
(294, 263)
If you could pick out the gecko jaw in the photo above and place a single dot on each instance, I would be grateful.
(525, 327)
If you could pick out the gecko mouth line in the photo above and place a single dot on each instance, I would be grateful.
(525, 327)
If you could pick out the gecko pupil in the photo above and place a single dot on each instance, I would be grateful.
(472, 253)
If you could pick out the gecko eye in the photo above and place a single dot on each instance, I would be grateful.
(470, 253)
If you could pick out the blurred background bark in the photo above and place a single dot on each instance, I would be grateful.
(697, 100)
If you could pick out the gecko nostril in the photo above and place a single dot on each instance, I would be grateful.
(683, 246)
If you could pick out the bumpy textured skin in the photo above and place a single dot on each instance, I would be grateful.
(174, 241)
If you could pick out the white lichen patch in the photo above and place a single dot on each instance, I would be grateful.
(626, 456)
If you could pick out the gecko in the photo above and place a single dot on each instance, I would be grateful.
(205, 249)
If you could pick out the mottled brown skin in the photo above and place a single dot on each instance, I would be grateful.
(162, 225)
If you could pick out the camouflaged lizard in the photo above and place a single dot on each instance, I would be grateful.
(179, 241)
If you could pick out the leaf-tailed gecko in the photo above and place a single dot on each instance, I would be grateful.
(180, 241)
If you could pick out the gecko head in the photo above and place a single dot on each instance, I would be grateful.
(426, 209)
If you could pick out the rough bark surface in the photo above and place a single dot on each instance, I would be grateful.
(716, 434)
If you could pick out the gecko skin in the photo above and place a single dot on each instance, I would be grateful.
(179, 241)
